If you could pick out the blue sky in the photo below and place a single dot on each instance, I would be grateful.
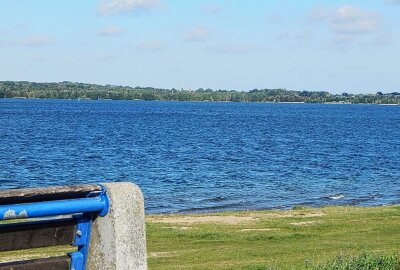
(336, 46)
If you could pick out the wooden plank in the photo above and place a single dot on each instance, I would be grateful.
(38, 234)
(13, 196)
(56, 263)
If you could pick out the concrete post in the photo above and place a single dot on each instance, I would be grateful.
(118, 240)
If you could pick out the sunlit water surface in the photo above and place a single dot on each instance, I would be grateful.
(193, 157)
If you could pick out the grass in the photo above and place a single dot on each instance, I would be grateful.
(365, 261)
(304, 238)
(328, 238)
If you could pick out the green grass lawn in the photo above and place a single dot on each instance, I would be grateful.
(328, 238)
(297, 239)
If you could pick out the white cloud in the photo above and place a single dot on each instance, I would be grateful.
(296, 38)
(321, 14)
(212, 9)
(110, 31)
(110, 7)
(36, 41)
(38, 59)
(13, 29)
(274, 19)
(283, 36)
(350, 20)
(347, 22)
(153, 45)
(199, 34)
(392, 2)
(233, 49)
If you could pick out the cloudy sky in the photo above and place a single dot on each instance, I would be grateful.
(337, 46)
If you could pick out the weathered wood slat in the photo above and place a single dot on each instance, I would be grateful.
(35, 235)
(13, 196)
(56, 263)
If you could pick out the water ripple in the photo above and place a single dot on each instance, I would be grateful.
(201, 157)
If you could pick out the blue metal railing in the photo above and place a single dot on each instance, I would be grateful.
(83, 210)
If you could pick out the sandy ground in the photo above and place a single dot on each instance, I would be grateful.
(305, 223)
(230, 219)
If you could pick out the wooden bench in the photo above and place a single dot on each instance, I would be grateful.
(69, 216)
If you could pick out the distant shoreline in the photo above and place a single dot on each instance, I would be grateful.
(84, 91)
(213, 101)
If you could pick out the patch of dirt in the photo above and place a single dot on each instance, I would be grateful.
(163, 254)
(177, 228)
(288, 214)
(306, 223)
(229, 220)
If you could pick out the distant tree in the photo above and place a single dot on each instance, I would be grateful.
(73, 90)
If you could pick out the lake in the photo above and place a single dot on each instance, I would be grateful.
(206, 156)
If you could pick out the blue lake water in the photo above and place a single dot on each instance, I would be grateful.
(189, 156)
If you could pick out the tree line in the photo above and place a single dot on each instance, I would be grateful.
(73, 90)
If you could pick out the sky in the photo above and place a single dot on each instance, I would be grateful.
(336, 46)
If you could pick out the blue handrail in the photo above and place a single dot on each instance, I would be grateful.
(53, 208)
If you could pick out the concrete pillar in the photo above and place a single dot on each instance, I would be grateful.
(118, 240)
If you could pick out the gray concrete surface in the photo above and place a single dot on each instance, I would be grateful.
(118, 240)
